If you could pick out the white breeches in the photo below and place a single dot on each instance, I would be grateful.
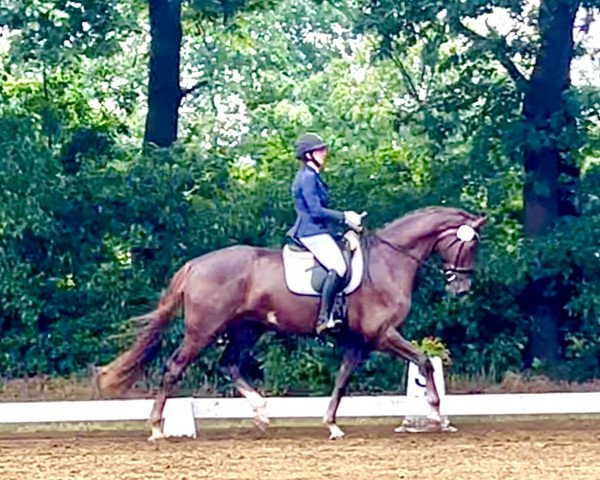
(326, 251)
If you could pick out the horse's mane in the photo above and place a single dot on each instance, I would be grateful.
(417, 215)
(405, 222)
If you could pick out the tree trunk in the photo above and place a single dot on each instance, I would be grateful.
(545, 117)
(164, 91)
(544, 114)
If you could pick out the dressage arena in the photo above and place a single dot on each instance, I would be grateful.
(550, 448)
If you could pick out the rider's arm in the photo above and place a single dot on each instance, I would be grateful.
(314, 204)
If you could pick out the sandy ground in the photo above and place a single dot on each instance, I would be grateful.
(545, 449)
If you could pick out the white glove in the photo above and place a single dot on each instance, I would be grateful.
(353, 219)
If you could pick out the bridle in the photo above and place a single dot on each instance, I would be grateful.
(450, 270)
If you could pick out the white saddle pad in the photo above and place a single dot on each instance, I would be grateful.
(298, 268)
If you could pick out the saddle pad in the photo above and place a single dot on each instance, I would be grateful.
(298, 266)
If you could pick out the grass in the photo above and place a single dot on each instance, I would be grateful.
(43, 388)
(517, 383)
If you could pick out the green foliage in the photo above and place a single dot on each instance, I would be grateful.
(91, 228)
(53, 32)
(434, 347)
(219, 9)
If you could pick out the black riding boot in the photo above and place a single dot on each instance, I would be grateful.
(328, 293)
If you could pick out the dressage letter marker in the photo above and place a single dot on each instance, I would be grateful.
(415, 388)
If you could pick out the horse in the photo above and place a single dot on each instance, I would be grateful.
(240, 292)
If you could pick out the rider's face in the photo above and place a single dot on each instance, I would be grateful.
(321, 156)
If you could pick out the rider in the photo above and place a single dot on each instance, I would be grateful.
(316, 225)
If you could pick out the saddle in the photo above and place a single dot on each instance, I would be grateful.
(305, 276)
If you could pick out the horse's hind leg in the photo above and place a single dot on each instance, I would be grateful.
(352, 357)
(391, 341)
(174, 368)
(241, 341)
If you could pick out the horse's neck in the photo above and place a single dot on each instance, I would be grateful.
(418, 243)
(393, 269)
(400, 252)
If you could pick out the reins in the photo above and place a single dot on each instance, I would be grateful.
(404, 251)
(427, 262)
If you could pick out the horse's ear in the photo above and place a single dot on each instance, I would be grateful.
(479, 222)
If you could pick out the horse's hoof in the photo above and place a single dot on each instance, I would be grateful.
(335, 432)
(434, 418)
(262, 423)
(156, 435)
(448, 427)
(261, 419)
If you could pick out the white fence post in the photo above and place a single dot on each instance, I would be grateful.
(179, 418)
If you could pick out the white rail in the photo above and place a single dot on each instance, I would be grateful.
(306, 407)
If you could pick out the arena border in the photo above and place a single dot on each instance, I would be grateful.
(301, 407)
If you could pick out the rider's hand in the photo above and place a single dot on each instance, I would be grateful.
(354, 220)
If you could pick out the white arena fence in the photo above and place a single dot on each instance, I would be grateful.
(180, 413)
(302, 407)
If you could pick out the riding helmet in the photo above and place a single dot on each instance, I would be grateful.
(309, 142)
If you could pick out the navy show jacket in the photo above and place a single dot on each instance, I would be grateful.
(311, 200)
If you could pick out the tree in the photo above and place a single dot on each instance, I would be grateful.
(548, 131)
(547, 117)
(89, 230)
(166, 32)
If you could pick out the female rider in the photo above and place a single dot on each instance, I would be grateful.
(316, 225)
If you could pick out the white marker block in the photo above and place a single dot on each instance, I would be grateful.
(179, 418)
(415, 388)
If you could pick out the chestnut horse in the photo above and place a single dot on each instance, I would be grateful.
(240, 291)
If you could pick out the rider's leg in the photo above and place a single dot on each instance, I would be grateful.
(328, 253)
(330, 289)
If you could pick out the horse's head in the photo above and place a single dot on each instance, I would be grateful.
(458, 248)
(452, 232)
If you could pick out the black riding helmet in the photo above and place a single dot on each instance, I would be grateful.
(309, 142)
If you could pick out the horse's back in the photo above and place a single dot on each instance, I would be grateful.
(231, 262)
(233, 280)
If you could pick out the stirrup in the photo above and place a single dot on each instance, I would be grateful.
(332, 325)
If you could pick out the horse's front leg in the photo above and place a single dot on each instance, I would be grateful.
(391, 341)
(352, 357)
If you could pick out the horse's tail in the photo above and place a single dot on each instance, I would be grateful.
(119, 375)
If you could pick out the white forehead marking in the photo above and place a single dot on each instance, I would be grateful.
(465, 233)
